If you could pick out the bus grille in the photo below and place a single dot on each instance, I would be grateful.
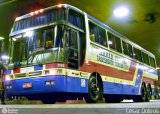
(21, 75)
(36, 73)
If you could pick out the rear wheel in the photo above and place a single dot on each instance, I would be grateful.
(94, 90)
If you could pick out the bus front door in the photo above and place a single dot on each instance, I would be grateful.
(73, 49)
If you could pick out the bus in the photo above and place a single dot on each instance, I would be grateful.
(61, 52)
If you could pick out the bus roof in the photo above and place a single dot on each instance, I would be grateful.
(92, 18)
(46, 9)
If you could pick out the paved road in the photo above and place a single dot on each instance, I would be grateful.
(152, 107)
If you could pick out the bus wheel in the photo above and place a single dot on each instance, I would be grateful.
(93, 90)
(143, 93)
(149, 93)
(143, 96)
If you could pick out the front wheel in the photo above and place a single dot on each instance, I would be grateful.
(94, 90)
(149, 93)
(143, 96)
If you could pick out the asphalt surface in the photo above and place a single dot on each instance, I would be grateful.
(126, 107)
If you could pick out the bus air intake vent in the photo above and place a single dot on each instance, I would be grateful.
(36, 73)
(20, 75)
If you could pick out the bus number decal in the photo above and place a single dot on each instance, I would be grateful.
(60, 65)
(83, 83)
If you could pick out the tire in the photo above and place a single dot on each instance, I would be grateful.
(94, 90)
(143, 96)
(149, 93)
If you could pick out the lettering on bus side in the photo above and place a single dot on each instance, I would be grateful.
(119, 62)
(110, 59)
(105, 57)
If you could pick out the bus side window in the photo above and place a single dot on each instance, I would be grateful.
(125, 48)
(111, 41)
(130, 51)
(137, 54)
(118, 44)
(145, 58)
(102, 37)
(93, 32)
(152, 61)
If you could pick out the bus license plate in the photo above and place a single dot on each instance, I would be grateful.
(27, 85)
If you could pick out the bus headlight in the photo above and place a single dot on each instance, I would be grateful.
(53, 72)
(8, 77)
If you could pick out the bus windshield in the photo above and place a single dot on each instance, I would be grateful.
(39, 46)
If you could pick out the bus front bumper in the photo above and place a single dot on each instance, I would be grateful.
(35, 85)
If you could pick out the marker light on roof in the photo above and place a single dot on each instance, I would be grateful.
(41, 10)
(60, 5)
(36, 12)
(18, 18)
(32, 13)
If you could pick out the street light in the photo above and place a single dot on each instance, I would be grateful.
(121, 12)
(1, 38)
(4, 57)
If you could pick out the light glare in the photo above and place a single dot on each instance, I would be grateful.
(41, 10)
(7, 78)
(36, 12)
(18, 18)
(110, 42)
(1, 38)
(28, 34)
(32, 13)
(5, 57)
(60, 5)
(121, 12)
